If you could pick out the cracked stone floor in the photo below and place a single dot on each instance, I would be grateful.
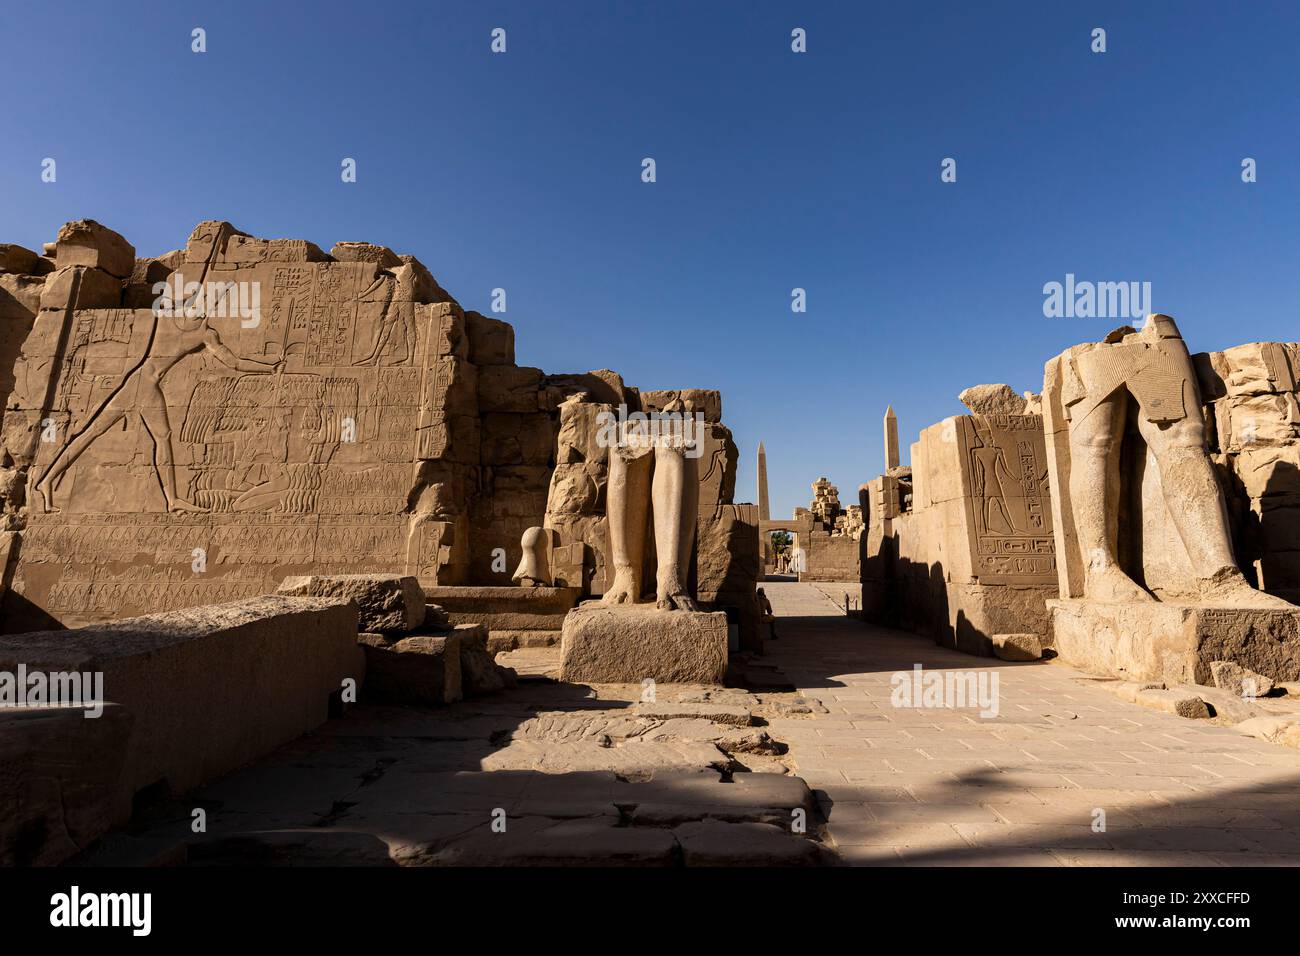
(825, 772)
(947, 787)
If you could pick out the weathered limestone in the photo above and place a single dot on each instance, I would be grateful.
(632, 643)
(241, 678)
(1149, 584)
(388, 603)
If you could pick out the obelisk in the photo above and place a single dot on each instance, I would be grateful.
(891, 439)
(764, 510)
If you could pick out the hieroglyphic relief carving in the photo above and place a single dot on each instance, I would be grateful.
(1009, 511)
(289, 443)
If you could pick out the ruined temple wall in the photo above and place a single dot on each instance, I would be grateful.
(973, 555)
(830, 557)
(1251, 398)
(363, 422)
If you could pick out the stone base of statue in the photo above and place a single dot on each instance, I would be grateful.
(1172, 642)
(628, 644)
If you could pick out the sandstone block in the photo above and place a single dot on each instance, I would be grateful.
(993, 400)
(388, 603)
(60, 780)
(366, 252)
(1239, 680)
(1283, 730)
(20, 296)
(491, 341)
(240, 679)
(14, 258)
(508, 388)
(87, 243)
(479, 673)
(1017, 647)
(715, 843)
(95, 289)
(1175, 643)
(630, 644)
(421, 669)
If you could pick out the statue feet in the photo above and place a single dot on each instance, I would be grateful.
(623, 590)
(1107, 583)
(1228, 586)
(672, 596)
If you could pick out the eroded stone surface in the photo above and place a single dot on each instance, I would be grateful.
(388, 603)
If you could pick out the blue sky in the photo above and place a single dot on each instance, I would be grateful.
(775, 170)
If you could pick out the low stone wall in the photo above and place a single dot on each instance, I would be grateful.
(208, 688)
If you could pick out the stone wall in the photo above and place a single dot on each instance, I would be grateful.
(959, 546)
(1251, 395)
(310, 413)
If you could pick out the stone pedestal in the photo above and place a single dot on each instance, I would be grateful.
(1175, 643)
(625, 645)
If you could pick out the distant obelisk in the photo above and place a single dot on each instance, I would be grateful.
(891, 439)
(764, 509)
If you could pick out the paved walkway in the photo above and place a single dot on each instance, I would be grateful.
(1031, 786)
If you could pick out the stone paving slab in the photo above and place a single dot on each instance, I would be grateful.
(1029, 786)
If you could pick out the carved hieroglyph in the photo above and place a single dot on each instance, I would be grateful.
(181, 457)
(1009, 510)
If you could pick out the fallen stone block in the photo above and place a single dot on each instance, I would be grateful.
(388, 603)
(632, 644)
(506, 609)
(1279, 730)
(1176, 702)
(715, 843)
(210, 688)
(1017, 647)
(479, 673)
(87, 243)
(1245, 683)
(60, 778)
(421, 669)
